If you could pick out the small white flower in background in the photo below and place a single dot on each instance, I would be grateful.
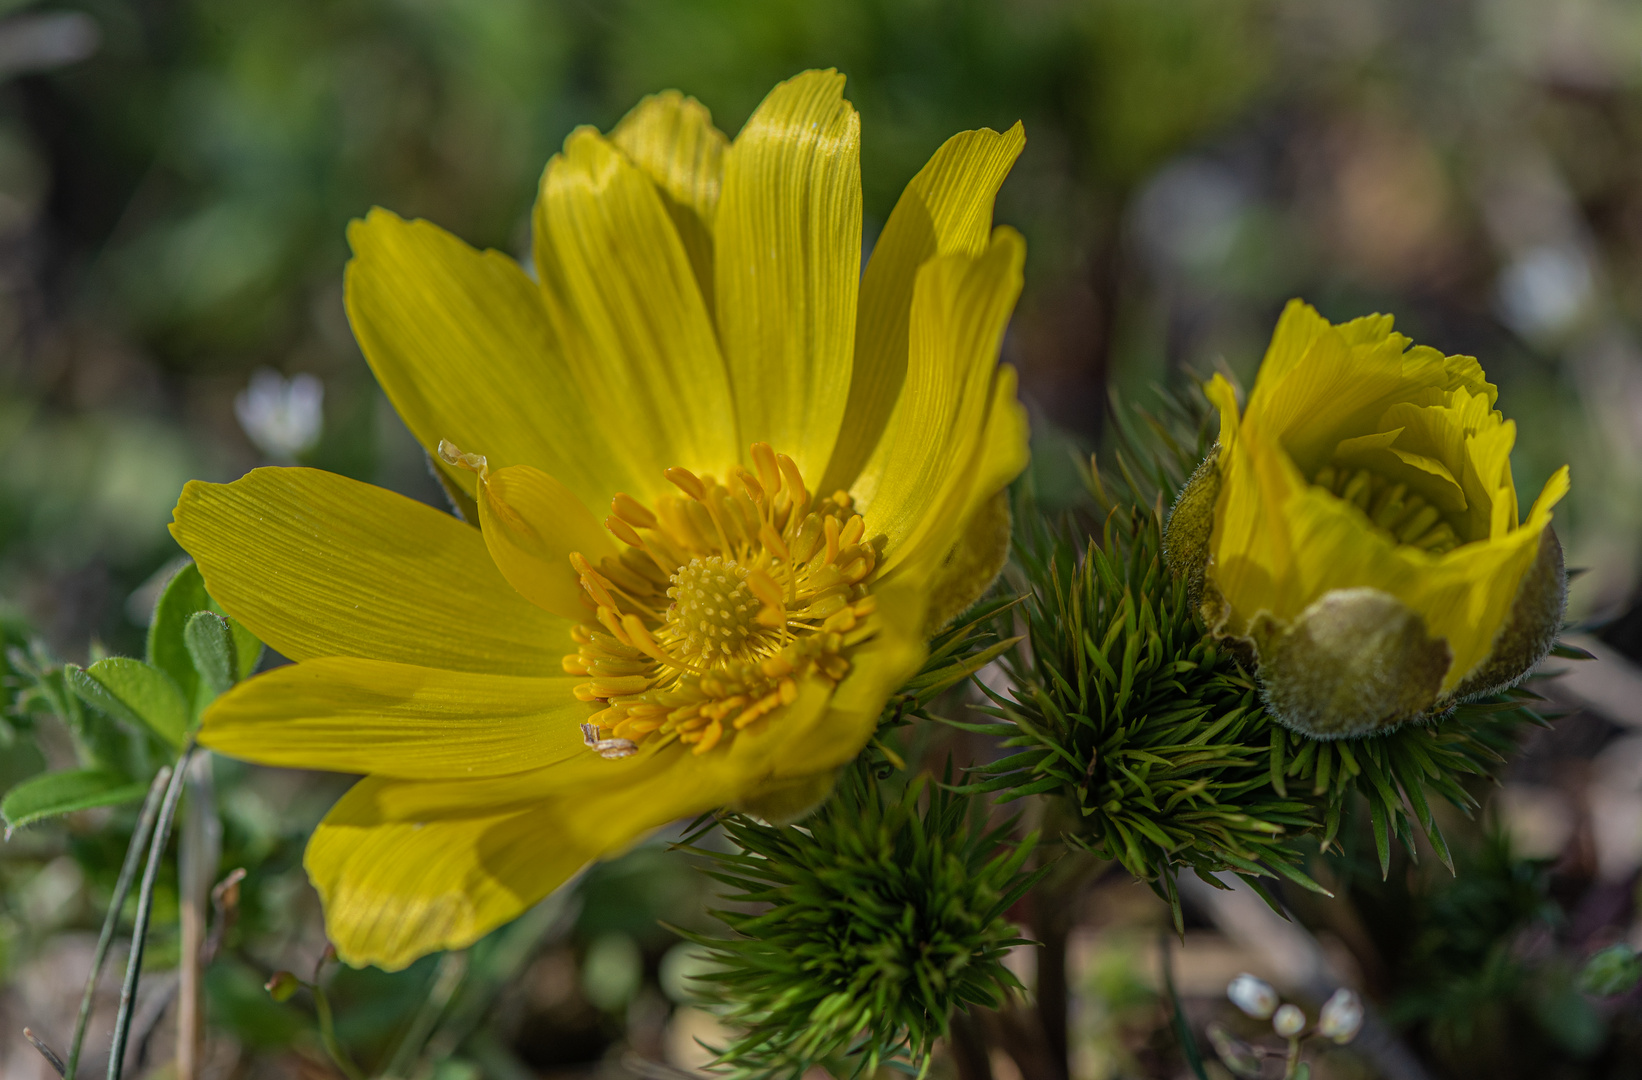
(1342, 1017)
(1254, 996)
(1289, 1021)
(282, 416)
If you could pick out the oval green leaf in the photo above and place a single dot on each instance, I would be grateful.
(135, 692)
(54, 793)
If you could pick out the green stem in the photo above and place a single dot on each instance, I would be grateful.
(453, 967)
(327, 1035)
(1177, 1015)
(145, 907)
(1291, 1064)
(122, 887)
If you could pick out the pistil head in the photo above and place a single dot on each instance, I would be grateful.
(713, 609)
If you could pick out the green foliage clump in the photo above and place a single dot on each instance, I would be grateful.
(1612, 971)
(1153, 733)
(875, 921)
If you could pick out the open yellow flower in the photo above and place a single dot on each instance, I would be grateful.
(726, 485)
(1357, 526)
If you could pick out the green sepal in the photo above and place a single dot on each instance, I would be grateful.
(54, 793)
(1530, 628)
(1355, 662)
(211, 647)
(139, 694)
(1190, 525)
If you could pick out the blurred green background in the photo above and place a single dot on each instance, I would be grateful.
(176, 177)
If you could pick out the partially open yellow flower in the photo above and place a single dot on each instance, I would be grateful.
(726, 486)
(1357, 525)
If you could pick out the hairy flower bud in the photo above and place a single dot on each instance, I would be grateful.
(281, 985)
(1254, 996)
(1289, 1021)
(1342, 1016)
(1356, 529)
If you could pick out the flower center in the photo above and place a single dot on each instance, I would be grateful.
(722, 604)
(712, 611)
(1391, 507)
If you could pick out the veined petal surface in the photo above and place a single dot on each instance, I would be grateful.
(919, 482)
(316, 564)
(672, 139)
(345, 714)
(461, 344)
(945, 210)
(788, 264)
(622, 298)
(405, 867)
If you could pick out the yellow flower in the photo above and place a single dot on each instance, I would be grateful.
(726, 484)
(1357, 527)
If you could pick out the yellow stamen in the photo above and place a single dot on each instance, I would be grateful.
(624, 532)
(686, 481)
(720, 601)
(632, 511)
(769, 472)
(795, 483)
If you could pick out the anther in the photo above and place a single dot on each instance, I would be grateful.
(640, 635)
(624, 532)
(749, 483)
(854, 529)
(686, 481)
(632, 511)
(769, 471)
(789, 472)
(772, 541)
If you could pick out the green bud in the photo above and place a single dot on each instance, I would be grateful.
(1613, 971)
(1359, 661)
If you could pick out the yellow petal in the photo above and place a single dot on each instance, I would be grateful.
(672, 138)
(788, 264)
(395, 891)
(345, 714)
(531, 524)
(945, 210)
(315, 564)
(1251, 546)
(622, 297)
(408, 867)
(460, 342)
(1297, 329)
(1463, 596)
(1320, 384)
(960, 308)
